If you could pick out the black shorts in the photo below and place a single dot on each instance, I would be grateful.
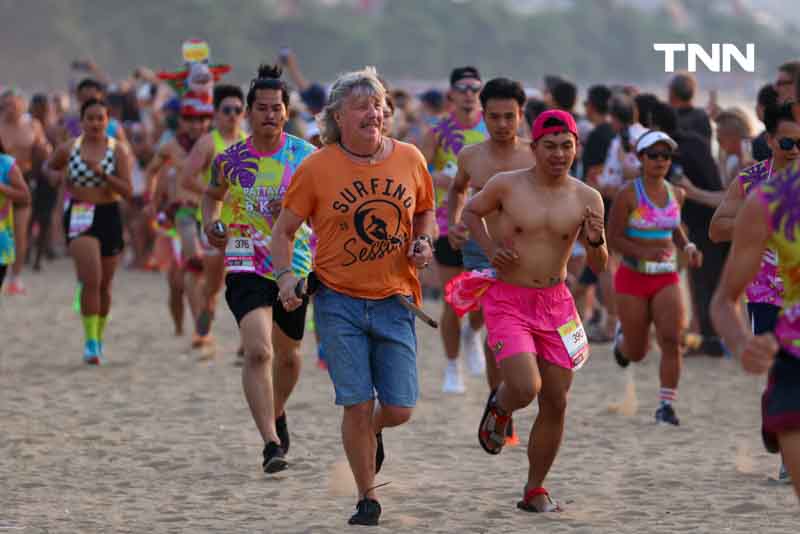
(44, 200)
(2, 274)
(245, 292)
(106, 227)
(447, 255)
(588, 277)
(763, 317)
(780, 404)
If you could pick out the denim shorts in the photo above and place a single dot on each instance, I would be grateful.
(474, 257)
(370, 346)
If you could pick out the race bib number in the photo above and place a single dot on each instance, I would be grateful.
(658, 267)
(240, 254)
(81, 218)
(574, 338)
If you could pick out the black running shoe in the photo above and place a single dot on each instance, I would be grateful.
(274, 458)
(368, 511)
(622, 361)
(283, 432)
(666, 414)
(380, 455)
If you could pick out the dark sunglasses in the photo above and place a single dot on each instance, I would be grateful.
(658, 154)
(465, 87)
(787, 143)
(231, 110)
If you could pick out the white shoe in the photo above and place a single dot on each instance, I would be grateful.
(472, 348)
(453, 381)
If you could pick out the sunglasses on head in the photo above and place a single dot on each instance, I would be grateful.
(463, 87)
(787, 143)
(653, 155)
(231, 110)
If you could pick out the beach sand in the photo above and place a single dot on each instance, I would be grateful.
(158, 441)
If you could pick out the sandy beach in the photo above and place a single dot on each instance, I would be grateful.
(158, 441)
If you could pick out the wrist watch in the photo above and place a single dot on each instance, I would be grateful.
(425, 237)
(595, 244)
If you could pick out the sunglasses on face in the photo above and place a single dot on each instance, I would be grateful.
(787, 143)
(231, 110)
(475, 87)
(780, 83)
(658, 154)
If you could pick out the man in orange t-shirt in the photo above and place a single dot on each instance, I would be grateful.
(370, 201)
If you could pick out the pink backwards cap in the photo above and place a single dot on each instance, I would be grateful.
(539, 130)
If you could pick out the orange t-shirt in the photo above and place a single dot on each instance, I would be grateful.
(363, 214)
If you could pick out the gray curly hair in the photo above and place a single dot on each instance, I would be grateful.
(361, 82)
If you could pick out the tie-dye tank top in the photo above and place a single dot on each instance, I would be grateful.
(452, 137)
(781, 197)
(649, 221)
(766, 287)
(7, 255)
(257, 183)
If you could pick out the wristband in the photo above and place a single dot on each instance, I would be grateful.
(596, 244)
(282, 272)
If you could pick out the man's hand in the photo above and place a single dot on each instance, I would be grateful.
(759, 352)
(593, 225)
(215, 238)
(457, 235)
(286, 287)
(420, 252)
(504, 257)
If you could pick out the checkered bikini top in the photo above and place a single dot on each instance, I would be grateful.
(79, 173)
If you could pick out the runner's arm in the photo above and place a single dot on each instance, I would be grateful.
(429, 144)
(678, 234)
(283, 239)
(17, 190)
(618, 221)
(55, 166)
(596, 256)
(211, 203)
(708, 198)
(457, 192)
(195, 164)
(724, 218)
(121, 183)
(478, 207)
(750, 235)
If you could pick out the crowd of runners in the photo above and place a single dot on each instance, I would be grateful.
(345, 207)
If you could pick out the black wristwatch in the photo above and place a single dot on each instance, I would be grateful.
(425, 237)
(595, 244)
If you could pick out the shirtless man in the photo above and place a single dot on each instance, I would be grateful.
(502, 101)
(534, 329)
(24, 139)
(194, 177)
(182, 210)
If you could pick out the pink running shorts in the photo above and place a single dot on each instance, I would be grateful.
(541, 321)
